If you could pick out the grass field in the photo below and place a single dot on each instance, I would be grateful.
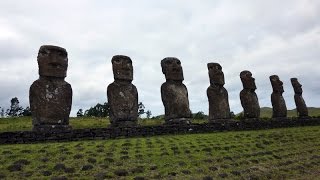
(266, 112)
(25, 123)
(290, 153)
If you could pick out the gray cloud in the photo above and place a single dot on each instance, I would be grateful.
(269, 37)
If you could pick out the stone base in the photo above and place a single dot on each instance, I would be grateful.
(124, 124)
(280, 118)
(51, 128)
(304, 117)
(218, 120)
(178, 121)
(250, 119)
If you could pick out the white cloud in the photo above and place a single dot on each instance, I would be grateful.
(268, 37)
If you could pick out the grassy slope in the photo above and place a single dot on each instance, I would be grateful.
(267, 112)
(290, 153)
(25, 123)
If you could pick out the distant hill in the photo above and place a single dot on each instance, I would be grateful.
(267, 112)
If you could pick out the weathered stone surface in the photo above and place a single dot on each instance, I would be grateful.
(248, 97)
(51, 96)
(217, 95)
(122, 94)
(279, 108)
(174, 93)
(302, 109)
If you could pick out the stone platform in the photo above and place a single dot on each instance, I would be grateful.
(142, 131)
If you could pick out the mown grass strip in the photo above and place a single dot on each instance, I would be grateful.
(277, 153)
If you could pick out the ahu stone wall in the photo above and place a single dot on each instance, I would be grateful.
(136, 131)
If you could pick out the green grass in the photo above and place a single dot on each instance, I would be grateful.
(289, 153)
(15, 124)
(266, 112)
(25, 123)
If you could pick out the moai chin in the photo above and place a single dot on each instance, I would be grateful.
(302, 109)
(122, 94)
(174, 93)
(217, 94)
(248, 97)
(51, 96)
(279, 107)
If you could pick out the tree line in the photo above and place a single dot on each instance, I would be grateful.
(99, 110)
(15, 109)
(103, 110)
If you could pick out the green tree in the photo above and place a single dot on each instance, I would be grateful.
(26, 111)
(199, 115)
(140, 109)
(99, 110)
(148, 113)
(232, 115)
(80, 113)
(15, 108)
(239, 116)
(2, 112)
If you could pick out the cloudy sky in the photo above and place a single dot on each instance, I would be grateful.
(265, 37)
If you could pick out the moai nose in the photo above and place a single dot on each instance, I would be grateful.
(54, 57)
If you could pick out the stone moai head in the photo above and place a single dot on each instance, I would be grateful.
(296, 86)
(277, 85)
(247, 80)
(215, 74)
(172, 69)
(52, 61)
(122, 68)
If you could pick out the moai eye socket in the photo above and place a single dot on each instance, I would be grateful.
(62, 54)
(43, 53)
(117, 61)
(129, 63)
(178, 62)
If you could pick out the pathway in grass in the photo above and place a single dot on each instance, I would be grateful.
(276, 153)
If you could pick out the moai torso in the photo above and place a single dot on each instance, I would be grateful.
(174, 93)
(279, 107)
(217, 94)
(50, 96)
(122, 94)
(248, 97)
(302, 109)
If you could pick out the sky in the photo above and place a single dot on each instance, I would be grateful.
(265, 37)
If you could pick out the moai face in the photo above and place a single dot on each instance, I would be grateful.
(247, 80)
(215, 74)
(52, 61)
(296, 86)
(277, 85)
(122, 68)
(172, 69)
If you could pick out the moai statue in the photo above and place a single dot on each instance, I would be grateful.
(248, 97)
(174, 93)
(217, 94)
(302, 109)
(122, 94)
(278, 104)
(51, 96)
